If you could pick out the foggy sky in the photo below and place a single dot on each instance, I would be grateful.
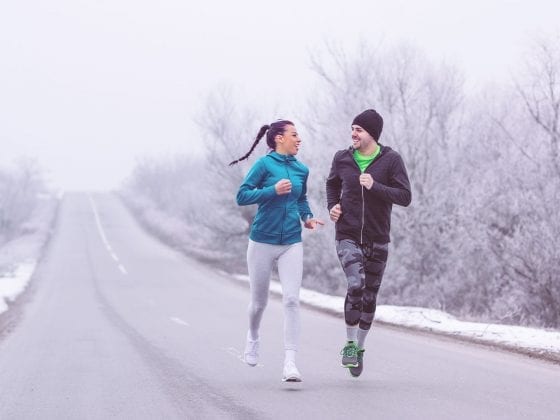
(88, 87)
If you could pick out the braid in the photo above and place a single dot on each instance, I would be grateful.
(260, 135)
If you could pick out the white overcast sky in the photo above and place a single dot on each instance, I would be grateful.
(87, 87)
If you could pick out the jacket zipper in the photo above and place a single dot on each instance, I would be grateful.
(363, 217)
(363, 198)
(363, 202)
(285, 203)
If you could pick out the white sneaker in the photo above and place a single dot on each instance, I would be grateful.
(291, 372)
(251, 355)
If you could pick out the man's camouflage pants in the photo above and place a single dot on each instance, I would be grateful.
(363, 265)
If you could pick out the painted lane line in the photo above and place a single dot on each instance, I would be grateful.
(179, 321)
(98, 222)
(103, 237)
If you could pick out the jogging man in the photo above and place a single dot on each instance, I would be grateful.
(364, 182)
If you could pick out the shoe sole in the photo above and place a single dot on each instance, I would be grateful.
(360, 366)
(355, 375)
(250, 363)
(350, 365)
(291, 379)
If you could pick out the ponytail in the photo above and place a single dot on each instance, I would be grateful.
(260, 135)
(271, 131)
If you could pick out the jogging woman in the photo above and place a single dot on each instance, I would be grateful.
(277, 183)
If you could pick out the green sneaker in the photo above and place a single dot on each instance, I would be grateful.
(357, 371)
(350, 355)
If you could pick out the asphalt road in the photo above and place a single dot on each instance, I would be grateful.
(117, 325)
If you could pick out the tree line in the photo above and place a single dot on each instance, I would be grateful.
(20, 192)
(481, 239)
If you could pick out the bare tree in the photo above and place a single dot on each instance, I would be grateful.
(541, 95)
(229, 129)
(421, 106)
(191, 200)
(20, 191)
(524, 230)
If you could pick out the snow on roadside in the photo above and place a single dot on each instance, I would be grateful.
(13, 283)
(532, 339)
(434, 320)
(19, 256)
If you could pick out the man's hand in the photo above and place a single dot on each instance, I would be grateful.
(284, 186)
(335, 212)
(366, 180)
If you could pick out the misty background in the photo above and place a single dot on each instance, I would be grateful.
(153, 100)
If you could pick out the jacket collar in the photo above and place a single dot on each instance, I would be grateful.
(381, 149)
(282, 158)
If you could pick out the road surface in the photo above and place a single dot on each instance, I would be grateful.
(117, 325)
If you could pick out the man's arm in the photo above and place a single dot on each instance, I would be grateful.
(334, 185)
(398, 191)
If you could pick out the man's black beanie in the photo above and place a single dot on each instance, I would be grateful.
(370, 121)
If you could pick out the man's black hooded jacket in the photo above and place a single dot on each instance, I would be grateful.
(366, 214)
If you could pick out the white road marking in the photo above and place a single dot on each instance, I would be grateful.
(179, 321)
(98, 222)
(104, 238)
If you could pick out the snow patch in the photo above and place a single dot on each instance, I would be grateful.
(533, 339)
(15, 282)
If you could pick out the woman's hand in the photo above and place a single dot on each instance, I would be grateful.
(284, 186)
(312, 223)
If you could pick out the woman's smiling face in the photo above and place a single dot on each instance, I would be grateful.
(288, 142)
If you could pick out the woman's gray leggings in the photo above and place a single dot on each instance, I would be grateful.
(260, 262)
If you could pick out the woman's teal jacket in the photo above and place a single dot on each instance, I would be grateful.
(278, 216)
